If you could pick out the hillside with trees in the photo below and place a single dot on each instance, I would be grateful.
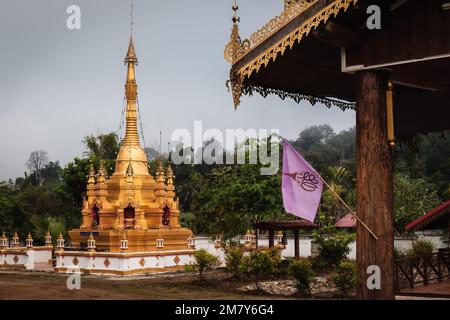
(227, 199)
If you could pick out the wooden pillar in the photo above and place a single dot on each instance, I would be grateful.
(374, 186)
(256, 237)
(296, 244)
(271, 235)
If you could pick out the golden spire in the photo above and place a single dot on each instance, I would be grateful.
(130, 151)
(131, 132)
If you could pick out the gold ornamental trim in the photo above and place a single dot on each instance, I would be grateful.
(297, 35)
(238, 76)
(289, 13)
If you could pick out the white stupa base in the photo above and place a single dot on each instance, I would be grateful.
(124, 263)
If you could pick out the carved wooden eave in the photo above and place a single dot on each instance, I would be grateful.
(279, 35)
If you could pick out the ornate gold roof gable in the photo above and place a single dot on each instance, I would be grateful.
(291, 11)
(241, 49)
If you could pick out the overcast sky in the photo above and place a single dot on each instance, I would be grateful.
(59, 85)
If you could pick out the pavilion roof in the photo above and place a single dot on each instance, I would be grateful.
(431, 218)
(347, 221)
(313, 50)
(284, 225)
(275, 38)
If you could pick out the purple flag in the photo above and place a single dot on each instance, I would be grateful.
(301, 185)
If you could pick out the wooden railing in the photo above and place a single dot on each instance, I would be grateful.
(414, 271)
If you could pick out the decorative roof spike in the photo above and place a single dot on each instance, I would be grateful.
(48, 239)
(236, 19)
(91, 176)
(235, 41)
(160, 173)
(102, 172)
(170, 175)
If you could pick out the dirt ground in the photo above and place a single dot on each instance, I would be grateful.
(21, 285)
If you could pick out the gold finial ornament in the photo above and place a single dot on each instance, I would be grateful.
(170, 175)
(91, 243)
(124, 242)
(91, 176)
(3, 242)
(101, 176)
(60, 243)
(48, 239)
(15, 239)
(160, 173)
(191, 241)
(235, 41)
(29, 241)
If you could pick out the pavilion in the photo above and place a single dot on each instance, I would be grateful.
(388, 60)
(294, 225)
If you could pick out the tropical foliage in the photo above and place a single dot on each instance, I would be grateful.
(225, 200)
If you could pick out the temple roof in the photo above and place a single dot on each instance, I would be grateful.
(313, 50)
(435, 219)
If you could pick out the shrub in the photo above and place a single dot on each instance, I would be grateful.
(398, 253)
(244, 266)
(334, 248)
(233, 259)
(260, 264)
(422, 248)
(302, 272)
(344, 277)
(318, 264)
(282, 267)
(204, 261)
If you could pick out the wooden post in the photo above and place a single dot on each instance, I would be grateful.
(256, 237)
(296, 244)
(271, 235)
(374, 186)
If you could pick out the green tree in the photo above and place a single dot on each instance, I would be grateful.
(103, 146)
(412, 199)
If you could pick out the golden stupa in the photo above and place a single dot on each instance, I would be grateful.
(131, 201)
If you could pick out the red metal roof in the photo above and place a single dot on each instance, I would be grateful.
(347, 221)
(429, 217)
